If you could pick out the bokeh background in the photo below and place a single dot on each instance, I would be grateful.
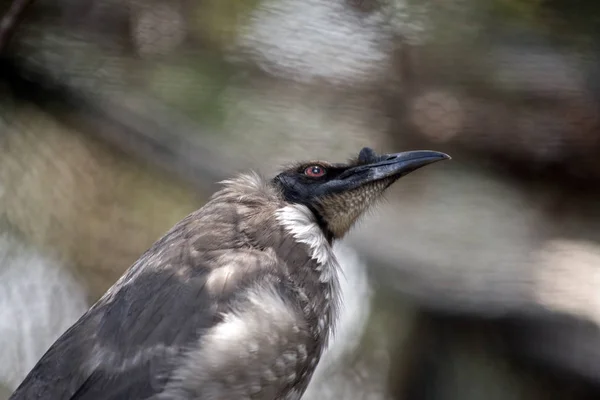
(478, 278)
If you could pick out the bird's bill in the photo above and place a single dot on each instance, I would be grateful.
(345, 198)
(391, 166)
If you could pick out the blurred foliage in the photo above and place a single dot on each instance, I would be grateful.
(510, 88)
(527, 11)
(102, 212)
(193, 87)
(218, 21)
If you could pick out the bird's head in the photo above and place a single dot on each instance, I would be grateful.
(338, 194)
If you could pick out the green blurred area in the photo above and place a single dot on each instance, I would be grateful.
(120, 118)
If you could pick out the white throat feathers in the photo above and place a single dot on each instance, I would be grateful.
(302, 224)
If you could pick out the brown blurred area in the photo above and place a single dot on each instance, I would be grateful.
(479, 278)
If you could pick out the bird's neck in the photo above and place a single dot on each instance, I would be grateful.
(294, 233)
(323, 288)
(327, 232)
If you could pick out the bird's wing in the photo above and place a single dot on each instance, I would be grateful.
(122, 344)
(168, 327)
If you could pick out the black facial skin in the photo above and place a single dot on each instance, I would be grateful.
(368, 167)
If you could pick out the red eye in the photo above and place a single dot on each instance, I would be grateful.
(314, 171)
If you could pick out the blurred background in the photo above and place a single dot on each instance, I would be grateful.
(478, 278)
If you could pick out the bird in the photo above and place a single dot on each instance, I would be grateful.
(237, 301)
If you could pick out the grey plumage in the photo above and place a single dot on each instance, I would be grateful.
(237, 301)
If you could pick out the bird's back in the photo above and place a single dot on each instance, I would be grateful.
(213, 310)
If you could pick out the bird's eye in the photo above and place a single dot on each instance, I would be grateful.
(315, 171)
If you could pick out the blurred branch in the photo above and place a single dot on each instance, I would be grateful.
(9, 21)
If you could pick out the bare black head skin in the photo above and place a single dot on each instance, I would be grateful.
(236, 301)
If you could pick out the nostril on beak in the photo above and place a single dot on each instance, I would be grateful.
(391, 158)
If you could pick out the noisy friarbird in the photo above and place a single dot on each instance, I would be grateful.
(236, 301)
